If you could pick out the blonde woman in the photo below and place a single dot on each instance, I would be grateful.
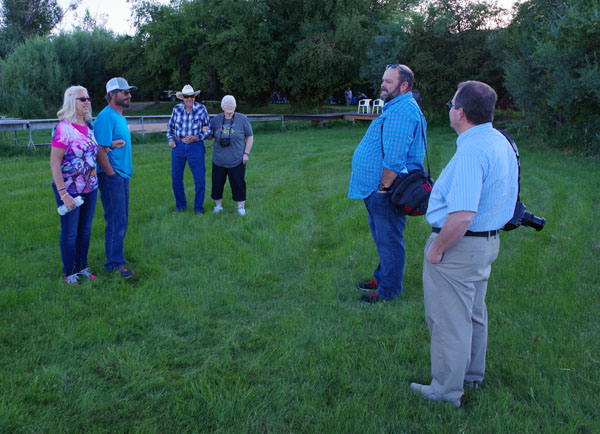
(73, 164)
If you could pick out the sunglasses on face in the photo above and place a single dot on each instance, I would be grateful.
(188, 96)
(450, 105)
(84, 99)
(125, 92)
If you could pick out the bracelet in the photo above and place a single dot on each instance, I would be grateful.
(64, 195)
(60, 189)
(247, 153)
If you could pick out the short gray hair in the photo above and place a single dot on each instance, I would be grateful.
(68, 110)
(228, 100)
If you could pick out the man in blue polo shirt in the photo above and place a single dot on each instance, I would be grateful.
(472, 199)
(393, 145)
(115, 170)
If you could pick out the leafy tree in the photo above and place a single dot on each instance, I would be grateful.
(553, 69)
(35, 76)
(23, 19)
(35, 79)
(444, 44)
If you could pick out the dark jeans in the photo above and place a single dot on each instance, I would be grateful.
(75, 231)
(236, 181)
(193, 153)
(387, 224)
(114, 194)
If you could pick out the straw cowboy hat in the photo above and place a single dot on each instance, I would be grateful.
(187, 90)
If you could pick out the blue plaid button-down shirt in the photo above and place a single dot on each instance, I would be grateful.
(403, 134)
(184, 124)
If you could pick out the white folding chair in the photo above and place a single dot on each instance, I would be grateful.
(363, 106)
(377, 106)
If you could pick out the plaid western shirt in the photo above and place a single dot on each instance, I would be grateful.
(402, 139)
(184, 124)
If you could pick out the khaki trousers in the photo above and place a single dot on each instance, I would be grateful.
(455, 311)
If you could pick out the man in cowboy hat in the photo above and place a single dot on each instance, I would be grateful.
(186, 139)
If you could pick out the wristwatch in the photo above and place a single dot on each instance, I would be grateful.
(380, 187)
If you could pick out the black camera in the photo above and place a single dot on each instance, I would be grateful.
(224, 142)
(522, 217)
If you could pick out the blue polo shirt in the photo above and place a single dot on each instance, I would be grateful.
(481, 177)
(402, 139)
(108, 126)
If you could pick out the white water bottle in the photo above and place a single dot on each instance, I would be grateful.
(62, 210)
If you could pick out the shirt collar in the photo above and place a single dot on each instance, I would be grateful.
(398, 99)
(477, 129)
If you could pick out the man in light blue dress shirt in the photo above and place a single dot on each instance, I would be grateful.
(393, 145)
(474, 197)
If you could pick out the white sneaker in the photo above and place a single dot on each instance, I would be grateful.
(72, 279)
(217, 209)
(241, 211)
(87, 273)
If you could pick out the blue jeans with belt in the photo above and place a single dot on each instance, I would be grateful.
(114, 194)
(387, 224)
(193, 153)
(75, 232)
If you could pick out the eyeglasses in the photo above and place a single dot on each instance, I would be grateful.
(125, 92)
(188, 96)
(84, 99)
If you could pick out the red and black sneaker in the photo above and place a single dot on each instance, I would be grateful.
(369, 286)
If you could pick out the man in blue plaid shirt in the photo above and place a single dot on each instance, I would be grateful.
(186, 139)
(393, 145)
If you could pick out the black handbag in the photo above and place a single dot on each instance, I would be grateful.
(411, 192)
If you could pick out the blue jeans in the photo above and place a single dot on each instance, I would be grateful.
(75, 231)
(114, 194)
(387, 224)
(193, 153)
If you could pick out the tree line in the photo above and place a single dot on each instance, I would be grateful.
(542, 57)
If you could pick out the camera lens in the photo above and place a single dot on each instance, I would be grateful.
(532, 221)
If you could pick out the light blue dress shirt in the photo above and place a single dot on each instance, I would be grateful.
(481, 177)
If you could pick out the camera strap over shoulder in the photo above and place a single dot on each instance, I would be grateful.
(516, 151)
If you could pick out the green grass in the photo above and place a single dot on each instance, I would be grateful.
(253, 324)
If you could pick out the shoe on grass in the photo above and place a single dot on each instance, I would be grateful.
(73, 279)
(427, 393)
(126, 273)
(217, 209)
(241, 211)
(371, 298)
(369, 286)
(86, 272)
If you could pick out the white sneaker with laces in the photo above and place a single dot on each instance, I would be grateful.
(217, 209)
(241, 211)
(73, 279)
(86, 272)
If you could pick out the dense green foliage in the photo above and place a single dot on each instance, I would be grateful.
(553, 69)
(34, 76)
(544, 63)
(253, 324)
(24, 19)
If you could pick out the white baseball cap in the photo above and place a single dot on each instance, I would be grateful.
(118, 83)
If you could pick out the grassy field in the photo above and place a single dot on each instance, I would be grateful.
(252, 324)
